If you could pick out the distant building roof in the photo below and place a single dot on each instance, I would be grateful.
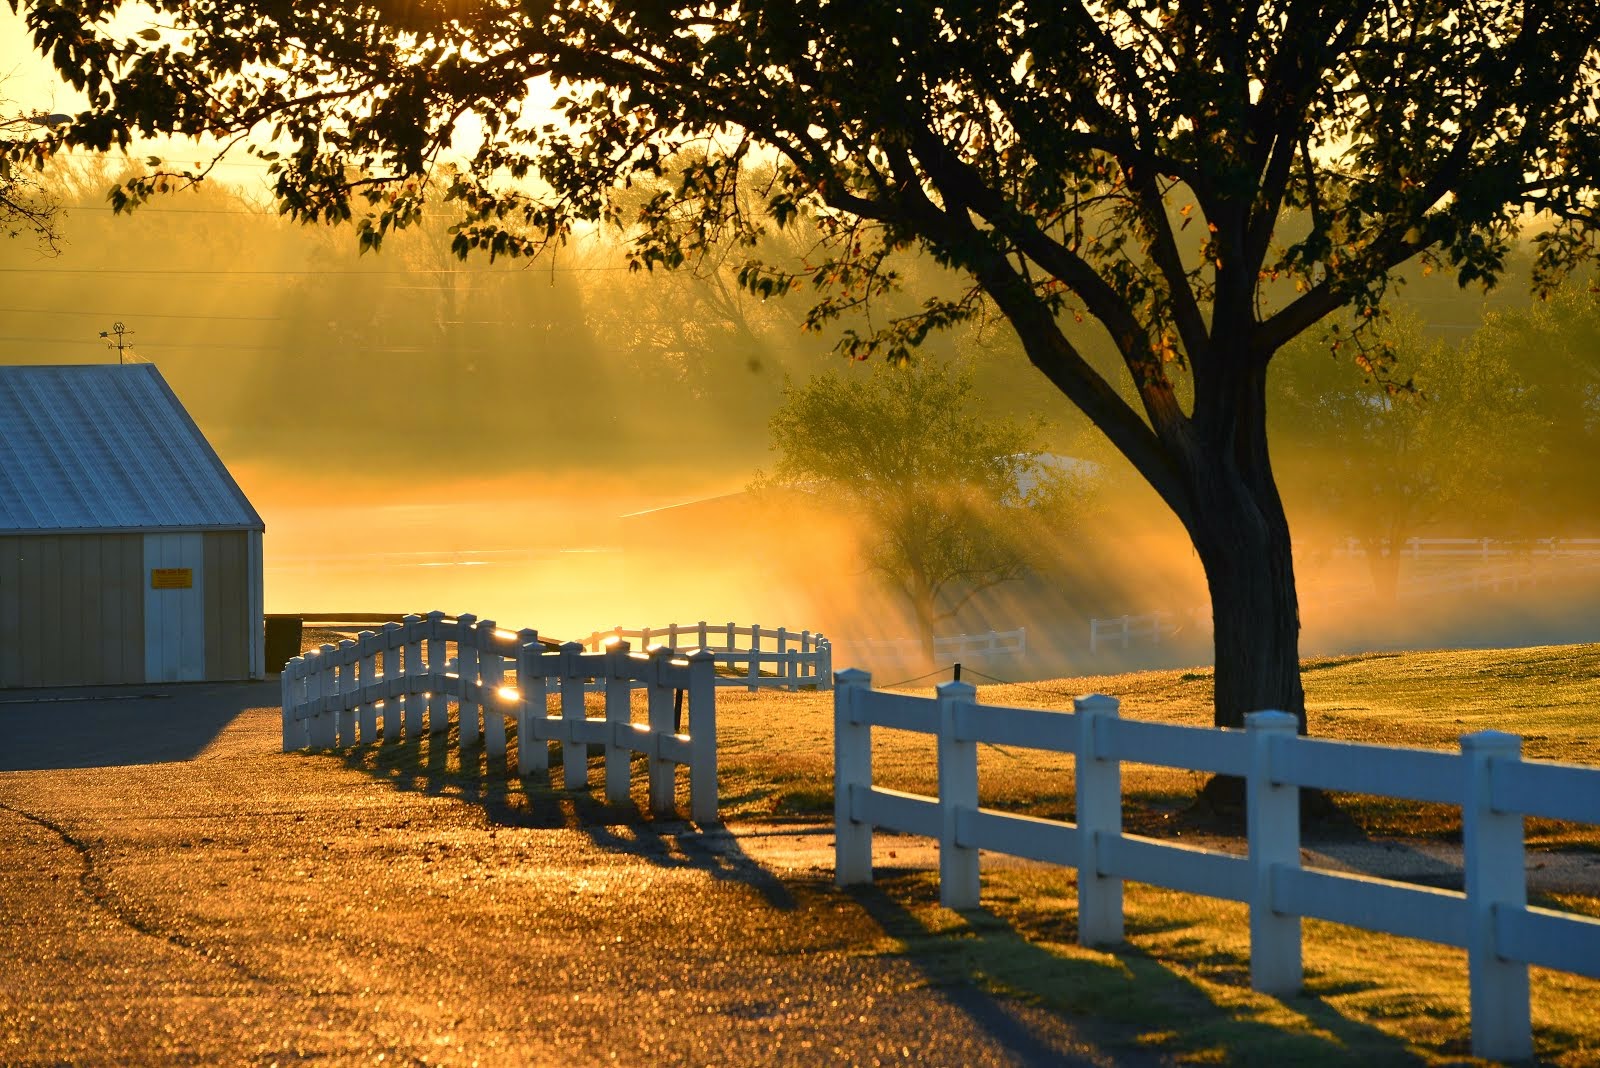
(108, 447)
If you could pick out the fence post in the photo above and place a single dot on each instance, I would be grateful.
(533, 748)
(292, 683)
(321, 683)
(852, 770)
(574, 755)
(1127, 630)
(1496, 877)
(824, 663)
(755, 657)
(958, 790)
(411, 668)
(619, 713)
(659, 699)
(438, 699)
(365, 677)
(467, 674)
(347, 686)
(491, 667)
(703, 737)
(1272, 823)
(702, 636)
(391, 672)
(1099, 815)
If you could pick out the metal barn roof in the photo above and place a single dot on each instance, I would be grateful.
(108, 447)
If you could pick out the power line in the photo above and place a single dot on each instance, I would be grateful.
(532, 268)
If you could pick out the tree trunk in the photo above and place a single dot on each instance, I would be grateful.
(1241, 534)
(1244, 546)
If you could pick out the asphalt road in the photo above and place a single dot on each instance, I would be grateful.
(177, 892)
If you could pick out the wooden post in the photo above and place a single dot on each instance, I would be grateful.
(1496, 877)
(1099, 812)
(619, 713)
(1272, 815)
(824, 663)
(958, 791)
(852, 770)
(347, 687)
(533, 746)
(755, 657)
(391, 674)
(574, 755)
(467, 669)
(702, 635)
(321, 683)
(783, 659)
(365, 678)
(438, 698)
(672, 636)
(492, 668)
(703, 737)
(658, 696)
(289, 690)
(412, 668)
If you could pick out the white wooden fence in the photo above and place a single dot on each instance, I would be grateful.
(1484, 549)
(754, 657)
(994, 644)
(1487, 778)
(403, 674)
(1152, 627)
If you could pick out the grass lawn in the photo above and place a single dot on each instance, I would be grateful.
(1182, 982)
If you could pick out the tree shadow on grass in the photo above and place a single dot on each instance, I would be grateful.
(1144, 1008)
(438, 766)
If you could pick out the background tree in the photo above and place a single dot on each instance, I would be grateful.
(949, 504)
(1385, 463)
(1124, 161)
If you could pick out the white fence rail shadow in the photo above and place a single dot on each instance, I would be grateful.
(994, 644)
(409, 673)
(751, 656)
(1488, 779)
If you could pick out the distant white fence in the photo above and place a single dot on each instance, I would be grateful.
(408, 673)
(1485, 549)
(994, 644)
(1152, 627)
(1487, 778)
(749, 656)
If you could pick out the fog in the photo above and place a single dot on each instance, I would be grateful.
(565, 445)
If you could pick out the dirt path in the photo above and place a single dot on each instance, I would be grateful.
(232, 905)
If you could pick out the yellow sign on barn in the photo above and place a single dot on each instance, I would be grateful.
(172, 578)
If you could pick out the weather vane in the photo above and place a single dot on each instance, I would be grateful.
(121, 344)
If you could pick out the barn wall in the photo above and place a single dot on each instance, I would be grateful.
(227, 605)
(71, 609)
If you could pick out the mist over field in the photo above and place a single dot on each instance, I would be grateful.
(565, 445)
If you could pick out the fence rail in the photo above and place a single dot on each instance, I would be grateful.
(751, 656)
(409, 673)
(1480, 548)
(1488, 779)
(995, 643)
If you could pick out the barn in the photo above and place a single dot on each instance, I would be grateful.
(128, 554)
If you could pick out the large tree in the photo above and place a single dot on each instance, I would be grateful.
(1124, 160)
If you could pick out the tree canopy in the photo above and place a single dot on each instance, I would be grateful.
(1204, 181)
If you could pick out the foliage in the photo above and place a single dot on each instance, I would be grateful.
(1461, 444)
(1130, 162)
(950, 504)
(26, 204)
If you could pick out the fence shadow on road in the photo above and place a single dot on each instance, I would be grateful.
(119, 726)
(437, 766)
(1128, 995)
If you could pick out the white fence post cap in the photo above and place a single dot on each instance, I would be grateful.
(958, 691)
(853, 677)
(1096, 702)
(1492, 742)
(1271, 720)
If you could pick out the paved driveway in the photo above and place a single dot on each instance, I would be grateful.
(175, 891)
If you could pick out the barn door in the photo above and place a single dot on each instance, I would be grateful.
(174, 608)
